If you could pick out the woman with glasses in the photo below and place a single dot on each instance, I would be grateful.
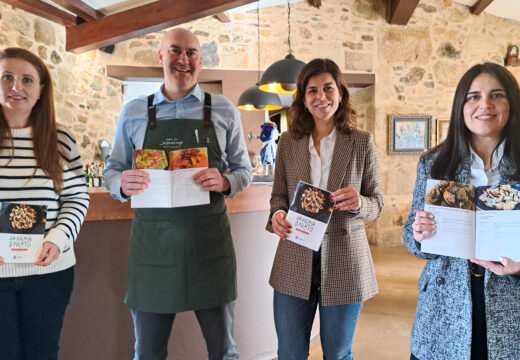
(39, 165)
(469, 309)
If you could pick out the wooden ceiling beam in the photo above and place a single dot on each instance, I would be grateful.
(79, 8)
(142, 20)
(223, 17)
(480, 6)
(400, 11)
(44, 10)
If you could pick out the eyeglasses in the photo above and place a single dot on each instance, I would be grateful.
(27, 81)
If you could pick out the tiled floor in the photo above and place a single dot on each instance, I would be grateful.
(384, 327)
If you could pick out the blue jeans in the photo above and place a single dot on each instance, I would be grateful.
(293, 319)
(152, 333)
(31, 314)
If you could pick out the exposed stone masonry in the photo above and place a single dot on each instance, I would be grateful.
(417, 67)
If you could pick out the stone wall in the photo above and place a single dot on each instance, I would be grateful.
(417, 67)
(86, 100)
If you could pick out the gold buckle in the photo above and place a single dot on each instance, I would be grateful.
(471, 268)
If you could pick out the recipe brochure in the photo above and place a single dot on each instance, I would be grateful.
(309, 215)
(171, 178)
(22, 228)
(473, 222)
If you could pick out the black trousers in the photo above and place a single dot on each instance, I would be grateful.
(479, 350)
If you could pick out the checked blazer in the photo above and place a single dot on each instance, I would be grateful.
(347, 271)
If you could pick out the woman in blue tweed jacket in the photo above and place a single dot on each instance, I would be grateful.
(469, 309)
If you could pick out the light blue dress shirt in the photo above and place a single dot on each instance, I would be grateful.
(225, 116)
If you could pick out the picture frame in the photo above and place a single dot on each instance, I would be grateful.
(409, 133)
(512, 56)
(442, 130)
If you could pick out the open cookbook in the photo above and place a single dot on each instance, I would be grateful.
(171, 178)
(473, 222)
(309, 215)
(22, 228)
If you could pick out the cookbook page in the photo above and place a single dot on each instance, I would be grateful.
(184, 164)
(498, 222)
(158, 193)
(309, 215)
(22, 228)
(453, 206)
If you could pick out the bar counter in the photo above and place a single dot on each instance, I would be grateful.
(103, 207)
(98, 325)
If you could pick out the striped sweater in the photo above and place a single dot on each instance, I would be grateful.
(65, 211)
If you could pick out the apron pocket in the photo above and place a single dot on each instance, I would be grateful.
(153, 243)
(213, 241)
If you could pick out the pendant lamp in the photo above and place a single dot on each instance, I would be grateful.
(281, 76)
(253, 99)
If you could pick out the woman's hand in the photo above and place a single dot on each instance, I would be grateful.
(49, 253)
(280, 226)
(423, 225)
(506, 266)
(346, 199)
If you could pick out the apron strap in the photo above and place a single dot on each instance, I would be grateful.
(152, 120)
(207, 110)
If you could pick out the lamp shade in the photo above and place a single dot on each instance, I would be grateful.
(280, 77)
(254, 99)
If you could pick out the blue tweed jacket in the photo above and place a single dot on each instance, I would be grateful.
(442, 328)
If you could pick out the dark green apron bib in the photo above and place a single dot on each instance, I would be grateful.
(182, 258)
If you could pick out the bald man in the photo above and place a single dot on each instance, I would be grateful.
(181, 259)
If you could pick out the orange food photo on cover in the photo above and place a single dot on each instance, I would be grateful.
(150, 159)
(189, 158)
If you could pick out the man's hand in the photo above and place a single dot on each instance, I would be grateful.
(49, 253)
(134, 182)
(1, 261)
(211, 180)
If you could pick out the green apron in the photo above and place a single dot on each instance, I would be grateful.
(182, 258)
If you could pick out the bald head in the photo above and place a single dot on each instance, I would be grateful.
(179, 55)
(179, 35)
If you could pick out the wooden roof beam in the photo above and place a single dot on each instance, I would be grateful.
(480, 6)
(44, 10)
(79, 8)
(142, 20)
(400, 11)
(223, 17)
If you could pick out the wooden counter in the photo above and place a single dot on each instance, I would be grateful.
(104, 207)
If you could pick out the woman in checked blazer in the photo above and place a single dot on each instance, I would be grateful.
(323, 148)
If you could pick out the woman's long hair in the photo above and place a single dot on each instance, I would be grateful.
(455, 150)
(301, 122)
(42, 119)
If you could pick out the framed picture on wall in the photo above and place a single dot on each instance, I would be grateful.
(409, 133)
(442, 129)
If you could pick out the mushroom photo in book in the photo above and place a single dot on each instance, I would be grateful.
(309, 215)
(473, 222)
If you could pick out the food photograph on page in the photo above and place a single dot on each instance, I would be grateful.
(498, 197)
(312, 202)
(150, 159)
(189, 158)
(22, 219)
(452, 194)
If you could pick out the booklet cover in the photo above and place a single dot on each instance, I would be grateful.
(171, 178)
(309, 215)
(473, 222)
(22, 228)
